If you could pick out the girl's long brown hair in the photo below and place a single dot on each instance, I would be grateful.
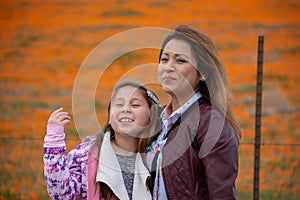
(145, 137)
(216, 88)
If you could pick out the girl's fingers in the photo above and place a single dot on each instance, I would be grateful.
(63, 117)
(59, 114)
(59, 117)
(56, 111)
(65, 122)
(62, 120)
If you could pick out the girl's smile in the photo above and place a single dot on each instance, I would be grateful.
(128, 110)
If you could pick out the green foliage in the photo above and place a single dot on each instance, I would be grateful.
(122, 13)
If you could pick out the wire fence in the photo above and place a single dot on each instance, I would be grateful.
(73, 138)
(27, 151)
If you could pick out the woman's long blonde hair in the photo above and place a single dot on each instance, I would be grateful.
(215, 89)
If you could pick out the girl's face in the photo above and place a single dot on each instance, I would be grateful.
(177, 71)
(129, 112)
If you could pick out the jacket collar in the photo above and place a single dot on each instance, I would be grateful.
(109, 172)
(177, 122)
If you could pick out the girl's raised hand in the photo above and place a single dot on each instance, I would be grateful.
(59, 117)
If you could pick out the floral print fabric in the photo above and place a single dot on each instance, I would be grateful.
(66, 175)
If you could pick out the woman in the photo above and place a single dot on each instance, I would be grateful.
(195, 155)
(109, 165)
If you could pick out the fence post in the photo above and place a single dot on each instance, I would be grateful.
(258, 117)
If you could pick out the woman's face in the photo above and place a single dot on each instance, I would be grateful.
(129, 112)
(177, 71)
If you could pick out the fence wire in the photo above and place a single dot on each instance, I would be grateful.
(73, 139)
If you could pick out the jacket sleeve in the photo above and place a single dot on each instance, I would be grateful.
(65, 174)
(219, 155)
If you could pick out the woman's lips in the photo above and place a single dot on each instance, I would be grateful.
(168, 78)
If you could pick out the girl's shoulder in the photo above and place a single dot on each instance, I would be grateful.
(89, 141)
(82, 150)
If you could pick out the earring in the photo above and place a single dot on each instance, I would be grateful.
(203, 77)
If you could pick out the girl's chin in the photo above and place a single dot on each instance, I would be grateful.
(129, 133)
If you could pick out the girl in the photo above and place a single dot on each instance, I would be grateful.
(109, 165)
(195, 155)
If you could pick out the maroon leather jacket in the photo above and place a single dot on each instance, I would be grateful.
(200, 158)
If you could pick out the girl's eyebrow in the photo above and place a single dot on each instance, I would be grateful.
(118, 99)
(132, 99)
(136, 99)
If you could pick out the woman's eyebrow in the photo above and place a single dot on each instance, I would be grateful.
(176, 54)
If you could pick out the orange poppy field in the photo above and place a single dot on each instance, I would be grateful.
(45, 43)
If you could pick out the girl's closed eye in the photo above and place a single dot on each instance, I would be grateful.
(118, 104)
(135, 105)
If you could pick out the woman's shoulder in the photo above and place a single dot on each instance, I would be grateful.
(198, 109)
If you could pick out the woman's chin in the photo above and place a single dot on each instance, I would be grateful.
(167, 88)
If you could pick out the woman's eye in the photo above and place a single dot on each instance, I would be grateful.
(181, 60)
(164, 60)
(136, 105)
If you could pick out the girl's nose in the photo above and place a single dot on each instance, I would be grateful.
(126, 108)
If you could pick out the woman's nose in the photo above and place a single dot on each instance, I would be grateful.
(169, 66)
